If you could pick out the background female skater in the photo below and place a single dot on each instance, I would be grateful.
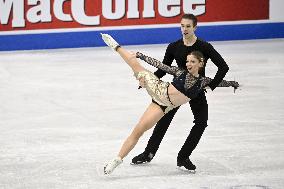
(165, 96)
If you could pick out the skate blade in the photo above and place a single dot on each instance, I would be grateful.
(139, 164)
(186, 170)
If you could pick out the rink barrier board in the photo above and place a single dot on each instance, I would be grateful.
(139, 36)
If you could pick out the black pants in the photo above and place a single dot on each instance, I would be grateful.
(199, 108)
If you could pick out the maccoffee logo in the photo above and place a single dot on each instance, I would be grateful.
(19, 13)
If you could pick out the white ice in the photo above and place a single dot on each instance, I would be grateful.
(65, 113)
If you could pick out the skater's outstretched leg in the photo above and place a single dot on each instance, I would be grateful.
(128, 57)
(150, 117)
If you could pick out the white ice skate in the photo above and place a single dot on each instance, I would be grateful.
(108, 169)
(110, 41)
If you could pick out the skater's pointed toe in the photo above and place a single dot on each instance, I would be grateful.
(110, 166)
(110, 41)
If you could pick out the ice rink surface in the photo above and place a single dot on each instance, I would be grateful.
(65, 113)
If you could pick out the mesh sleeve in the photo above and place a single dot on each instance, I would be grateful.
(223, 83)
(156, 63)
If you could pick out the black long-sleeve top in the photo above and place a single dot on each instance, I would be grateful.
(178, 51)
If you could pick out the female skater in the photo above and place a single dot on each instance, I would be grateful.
(165, 96)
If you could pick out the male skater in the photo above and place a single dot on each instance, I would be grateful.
(179, 50)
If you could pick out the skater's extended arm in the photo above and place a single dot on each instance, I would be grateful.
(223, 83)
(156, 63)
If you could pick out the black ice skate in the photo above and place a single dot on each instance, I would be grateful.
(142, 158)
(186, 165)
